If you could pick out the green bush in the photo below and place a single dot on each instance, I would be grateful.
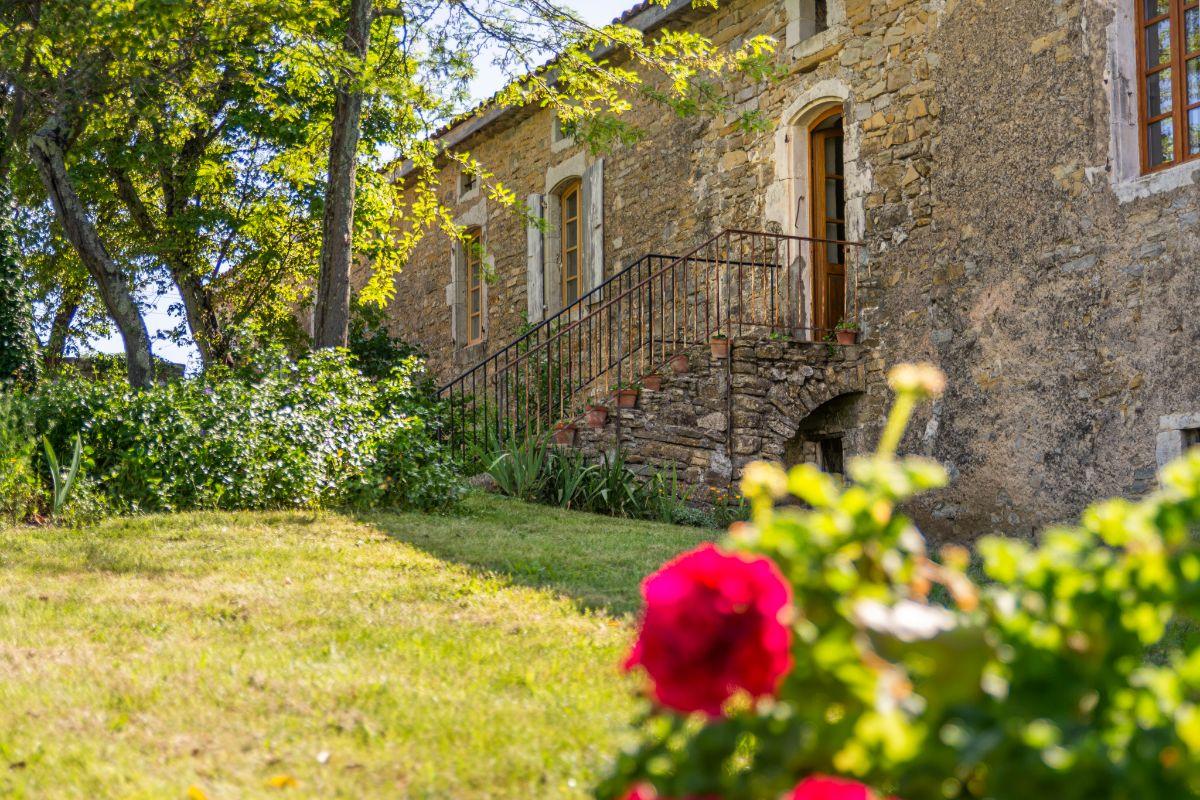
(18, 345)
(1070, 671)
(20, 488)
(275, 434)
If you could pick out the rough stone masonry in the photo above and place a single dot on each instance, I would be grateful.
(991, 169)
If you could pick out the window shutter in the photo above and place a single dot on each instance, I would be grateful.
(593, 207)
(454, 292)
(535, 264)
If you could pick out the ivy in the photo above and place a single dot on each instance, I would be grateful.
(18, 345)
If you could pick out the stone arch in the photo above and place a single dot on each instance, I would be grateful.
(793, 400)
(824, 436)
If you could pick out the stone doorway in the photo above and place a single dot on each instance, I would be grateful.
(821, 437)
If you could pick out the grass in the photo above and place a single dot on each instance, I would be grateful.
(472, 655)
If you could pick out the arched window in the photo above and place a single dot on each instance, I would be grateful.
(1168, 34)
(475, 296)
(571, 241)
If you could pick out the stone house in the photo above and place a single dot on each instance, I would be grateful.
(1022, 178)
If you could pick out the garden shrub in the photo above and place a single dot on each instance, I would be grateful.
(806, 657)
(275, 434)
(20, 489)
(531, 470)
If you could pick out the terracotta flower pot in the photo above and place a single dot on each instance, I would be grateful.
(564, 434)
(597, 416)
(846, 337)
(652, 382)
(627, 398)
(720, 348)
(679, 363)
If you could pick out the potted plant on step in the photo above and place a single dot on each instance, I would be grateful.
(720, 345)
(564, 434)
(627, 395)
(846, 332)
(679, 363)
(597, 414)
(652, 382)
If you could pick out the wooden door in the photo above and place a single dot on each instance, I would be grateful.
(828, 222)
(572, 244)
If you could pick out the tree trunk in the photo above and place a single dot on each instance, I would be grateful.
(60, 328)
(198, 305)
(331, 326)
(46, 150)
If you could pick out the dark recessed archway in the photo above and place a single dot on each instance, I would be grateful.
(820, 436)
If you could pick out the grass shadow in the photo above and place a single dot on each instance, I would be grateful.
(597, 561)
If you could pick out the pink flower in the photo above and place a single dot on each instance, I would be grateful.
(714, 625)
(820, 787)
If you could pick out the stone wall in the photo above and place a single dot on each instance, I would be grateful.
(1005, 242)
(765, 401)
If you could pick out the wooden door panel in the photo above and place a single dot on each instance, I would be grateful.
(828, 222)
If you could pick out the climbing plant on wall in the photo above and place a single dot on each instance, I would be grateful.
(18, 346)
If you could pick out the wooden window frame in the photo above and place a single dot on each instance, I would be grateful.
(1176, 18)
(473, 273)
(822, 321)
(567, 252)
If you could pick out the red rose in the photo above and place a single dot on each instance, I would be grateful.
(713, 625)
(819, 787)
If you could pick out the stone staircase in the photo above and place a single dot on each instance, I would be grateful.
(767, 401)
(741, 284)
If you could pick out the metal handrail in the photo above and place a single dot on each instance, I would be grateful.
(735, 280)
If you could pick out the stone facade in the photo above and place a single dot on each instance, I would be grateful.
(1008, 240)
(771, 399)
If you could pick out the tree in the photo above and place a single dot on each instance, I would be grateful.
(590, 82)
(242, 150)
(169, 121)
(18, 346)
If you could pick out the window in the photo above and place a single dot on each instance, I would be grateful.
(572, 250)
(467, 184)
(1177, 433)
(559, 132)
(1168, 34)
(1191, 438)
(833, 457)
(806, 19)
(473, 259)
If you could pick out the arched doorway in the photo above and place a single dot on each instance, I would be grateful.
(821, 436)
(827, 207)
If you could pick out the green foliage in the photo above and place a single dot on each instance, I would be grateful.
(18, 346)
(376, 351)
(1058, 677)
(20, 489)
(62, 484)
(531, 470)
(275, 434)
(520, 469)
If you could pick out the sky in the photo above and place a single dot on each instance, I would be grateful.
(488, 82)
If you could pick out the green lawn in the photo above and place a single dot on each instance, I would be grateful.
(472, 655)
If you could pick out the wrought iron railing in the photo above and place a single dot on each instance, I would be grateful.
(737, 283)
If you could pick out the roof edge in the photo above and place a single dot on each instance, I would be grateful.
(644, 17)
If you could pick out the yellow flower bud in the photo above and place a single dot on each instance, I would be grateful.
(924, 380)
(763, 479)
